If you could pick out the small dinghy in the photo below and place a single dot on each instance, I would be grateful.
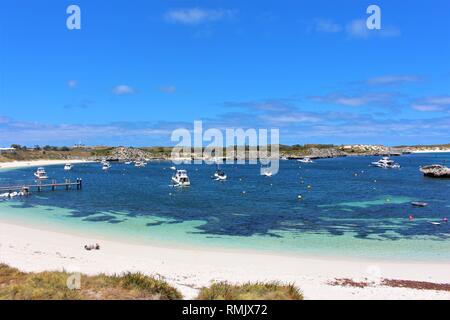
(419, 204)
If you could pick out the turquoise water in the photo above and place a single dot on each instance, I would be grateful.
(347, 208)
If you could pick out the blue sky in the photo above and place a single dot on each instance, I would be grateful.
(139, 69)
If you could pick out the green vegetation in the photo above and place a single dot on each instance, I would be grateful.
(53, 286)
(250, 291)
(102, 151)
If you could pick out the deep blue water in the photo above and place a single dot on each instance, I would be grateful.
(338, 195)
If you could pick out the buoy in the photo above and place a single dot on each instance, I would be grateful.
(388, 200)
(243, 192)
(309, 187)
(299, 196)
(411, 218)
(445, 220)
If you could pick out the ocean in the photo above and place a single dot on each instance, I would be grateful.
(346, 207)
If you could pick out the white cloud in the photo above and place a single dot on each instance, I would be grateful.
(327, 26)
(72, 83)
(432, 104)
(123, 89)
(392, 79)
(356, 100)
(168, 89)
(195, 16)
(428, 108)
(358, 29)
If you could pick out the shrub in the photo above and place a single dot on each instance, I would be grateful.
(16, 285)
(250, 291)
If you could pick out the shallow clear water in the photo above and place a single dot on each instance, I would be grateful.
(347, 208)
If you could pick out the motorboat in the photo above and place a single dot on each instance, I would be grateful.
(68, 167)
(386, 163)
(219, 175)
(41, 174)
(106, 165)
(140, 164)
(181, 179)
(305, 160)
(266, 172)
(173, 168)
(128, 162)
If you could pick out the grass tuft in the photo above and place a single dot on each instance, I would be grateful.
(250, 291)
(16, 285)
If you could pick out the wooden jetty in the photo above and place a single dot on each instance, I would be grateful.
(42, 185)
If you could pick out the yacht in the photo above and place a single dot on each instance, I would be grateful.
(219, 175)
(68, 167)
(305, 160)
(386, 163)
(181, 179)
(140, 164)
(128, 162)
(40, 173)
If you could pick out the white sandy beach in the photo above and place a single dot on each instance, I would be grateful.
(432, 151)
(31, 249)
(37, 163)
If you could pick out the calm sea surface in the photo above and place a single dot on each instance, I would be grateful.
(347, 207)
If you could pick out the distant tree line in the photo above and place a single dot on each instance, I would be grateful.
(38, 148)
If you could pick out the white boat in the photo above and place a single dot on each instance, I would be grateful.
(219, 175)
(173, 168)
(181, 179)
(140, 164)
(68, 167)
(305, 160)
(128, 162)
(41, 174)
(105, 165)
(266, 172)
(386, 163)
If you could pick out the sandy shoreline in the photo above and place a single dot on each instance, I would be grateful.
(31, 249)
(37, 163)
(431, 151)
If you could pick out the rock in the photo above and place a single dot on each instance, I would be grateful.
(436, 171)
(122, 153)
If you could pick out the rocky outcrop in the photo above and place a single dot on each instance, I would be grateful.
(122, 153)
(436, 171)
